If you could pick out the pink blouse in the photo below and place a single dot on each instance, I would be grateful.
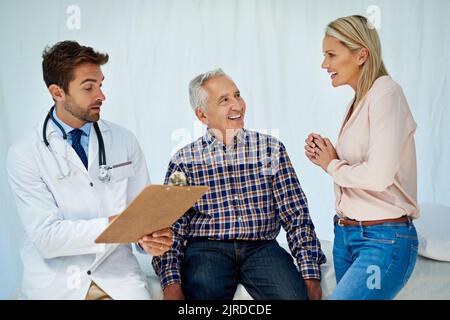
(376, 176)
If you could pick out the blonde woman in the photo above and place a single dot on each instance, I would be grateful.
(373, 167)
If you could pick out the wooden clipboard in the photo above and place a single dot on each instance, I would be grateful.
(155, 208)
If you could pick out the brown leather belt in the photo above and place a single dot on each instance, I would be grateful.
(347, 222)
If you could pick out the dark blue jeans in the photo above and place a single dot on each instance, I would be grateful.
(212, 269)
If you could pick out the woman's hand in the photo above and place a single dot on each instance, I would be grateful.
(319, 151)
(311, 146)
(325, 153)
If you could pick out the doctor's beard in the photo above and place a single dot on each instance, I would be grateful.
(86, 115)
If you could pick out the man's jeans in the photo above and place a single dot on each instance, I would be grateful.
(373, 262)
(212, 269)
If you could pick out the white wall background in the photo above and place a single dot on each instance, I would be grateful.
(273, 51)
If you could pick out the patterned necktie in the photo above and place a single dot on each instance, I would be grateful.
(76, 137)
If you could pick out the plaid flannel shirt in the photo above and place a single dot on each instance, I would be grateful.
(253, 191)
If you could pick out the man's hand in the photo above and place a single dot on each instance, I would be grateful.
(158, 242)
(313, 289)
(173, 292)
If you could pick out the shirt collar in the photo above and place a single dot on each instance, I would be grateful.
(212, 140)
(86, 128)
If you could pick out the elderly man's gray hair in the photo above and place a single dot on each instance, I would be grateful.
(198, 95)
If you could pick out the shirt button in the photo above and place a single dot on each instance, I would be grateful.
(89, 272)
(91, 184)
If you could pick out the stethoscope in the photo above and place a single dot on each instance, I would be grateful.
(104, 171)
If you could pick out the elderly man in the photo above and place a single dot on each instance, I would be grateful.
(228, 237)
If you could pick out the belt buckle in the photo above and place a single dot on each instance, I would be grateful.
(339, 222)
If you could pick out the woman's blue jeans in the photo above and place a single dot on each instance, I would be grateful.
(373, 262)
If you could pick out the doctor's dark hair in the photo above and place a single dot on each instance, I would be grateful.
(60, 60)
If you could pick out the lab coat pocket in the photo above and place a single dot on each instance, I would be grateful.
(118, 185)
(122, 171)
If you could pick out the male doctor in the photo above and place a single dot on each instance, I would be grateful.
(71, 175)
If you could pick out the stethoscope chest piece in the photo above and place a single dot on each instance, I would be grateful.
(104, 173)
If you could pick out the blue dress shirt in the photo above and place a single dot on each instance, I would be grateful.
(84, 137)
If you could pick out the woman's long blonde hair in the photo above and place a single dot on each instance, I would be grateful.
(356, 32)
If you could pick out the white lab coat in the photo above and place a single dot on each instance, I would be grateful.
(63, 217)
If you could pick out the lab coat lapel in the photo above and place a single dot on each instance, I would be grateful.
(93, 167)
(61, 147)
(57, 144)
(94, 146)
(93, 150)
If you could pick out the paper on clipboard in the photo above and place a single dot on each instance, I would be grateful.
(155, 208)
